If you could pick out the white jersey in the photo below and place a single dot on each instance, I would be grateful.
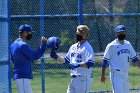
(119, 55)
(83, 53)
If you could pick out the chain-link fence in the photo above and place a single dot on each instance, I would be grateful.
(60, 18)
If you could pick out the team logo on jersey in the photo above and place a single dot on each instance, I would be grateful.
(122, 51)
(76, 54)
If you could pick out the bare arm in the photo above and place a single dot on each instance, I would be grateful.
(61, 59)
(103, 73)
(137, 63)
(103, 78)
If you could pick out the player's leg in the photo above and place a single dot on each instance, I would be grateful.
(27, 86)
(126, 83)
(89, 83)
(71, 86)
(82, 84)
(23, 85)
(19, 85)
(117, 82)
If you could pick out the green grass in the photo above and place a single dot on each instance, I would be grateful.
(57, 80)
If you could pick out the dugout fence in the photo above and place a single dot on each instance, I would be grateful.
(60, 18)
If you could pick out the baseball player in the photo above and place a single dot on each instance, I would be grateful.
(22, 56)
(80, 58)
(118, 54)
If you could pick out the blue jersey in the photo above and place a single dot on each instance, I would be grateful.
(22, 56)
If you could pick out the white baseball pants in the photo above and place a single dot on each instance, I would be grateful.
(120, 81)
(80, 84)
(23, 85)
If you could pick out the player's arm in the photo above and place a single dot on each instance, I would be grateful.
(137, 64)
(134, 57)
(136, 61)
(106, 57)
(103, 72)
(81, 64)
(89, 61)
(88, 64)
(32, 54)
(62, 59)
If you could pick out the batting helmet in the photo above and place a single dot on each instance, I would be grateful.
(53, 43)
(120, 28)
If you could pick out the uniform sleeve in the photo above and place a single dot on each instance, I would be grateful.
(30, 53)
(132, 53)
(89, 55)
(108, 52)
(67, 57)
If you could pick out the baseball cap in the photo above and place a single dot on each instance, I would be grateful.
(120, 28)
(25, 27)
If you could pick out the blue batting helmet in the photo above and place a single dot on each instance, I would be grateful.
(53, 43)
(120, 28)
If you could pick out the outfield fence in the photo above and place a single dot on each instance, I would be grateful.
(60, 18)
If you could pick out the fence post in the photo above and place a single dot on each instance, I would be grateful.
(9, 34)
(42, 34)
(80, 10)
(110, 2)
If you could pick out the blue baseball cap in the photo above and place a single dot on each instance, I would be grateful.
(25, 27)
(120, 28)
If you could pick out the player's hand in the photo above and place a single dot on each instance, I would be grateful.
(103, 79)
(72, 66)
(53, 54)
(43, 40)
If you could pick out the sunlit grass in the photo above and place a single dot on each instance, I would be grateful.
(57, 80)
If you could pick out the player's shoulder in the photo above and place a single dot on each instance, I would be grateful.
(19, 42)
(87, 45)
(114, 42)
(74, 45)
(126, 42)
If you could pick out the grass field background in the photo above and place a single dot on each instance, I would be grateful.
(57, 78)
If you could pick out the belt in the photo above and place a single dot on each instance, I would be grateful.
(74, 76)
(117, 69)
